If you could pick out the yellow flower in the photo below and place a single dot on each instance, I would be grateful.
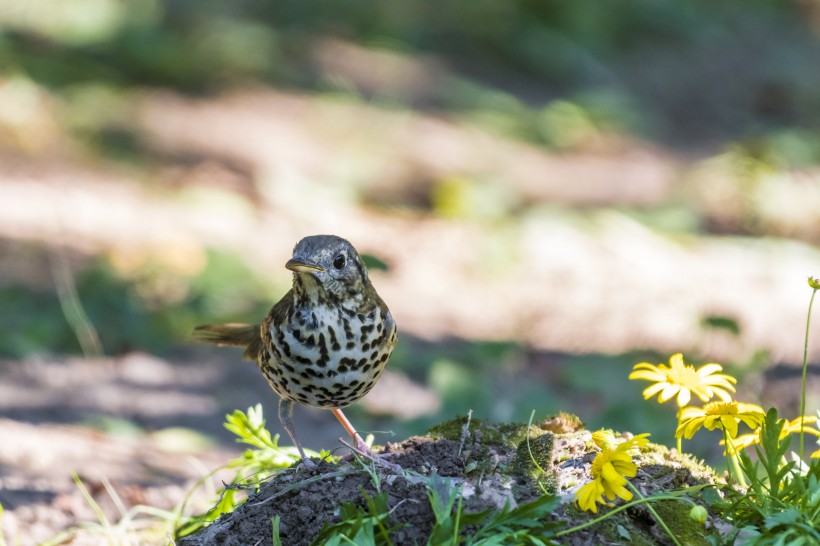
(814, 283)
(794, 426)
(683, 379)
(743, 441)
(789, 427)
(604, 439)
(723, 415)
(816, 454)
(609, 471)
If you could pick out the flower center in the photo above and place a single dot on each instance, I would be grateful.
(720, 408)
(598, 463)
(684, 375)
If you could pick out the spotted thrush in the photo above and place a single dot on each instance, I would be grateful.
(326, 342)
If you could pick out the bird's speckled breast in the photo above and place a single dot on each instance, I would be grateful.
(329, 356)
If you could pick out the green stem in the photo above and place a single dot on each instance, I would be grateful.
(732, 463)
(621, 508)
(805, 368)
(679, 438)
(728, 463)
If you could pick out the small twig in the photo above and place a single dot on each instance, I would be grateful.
(72, 306)
(390, 512)
(465, 431)
(373, 457)
(301, 483)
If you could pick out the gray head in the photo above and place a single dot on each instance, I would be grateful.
(330, 264)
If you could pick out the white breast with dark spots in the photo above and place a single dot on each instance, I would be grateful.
(329, 357)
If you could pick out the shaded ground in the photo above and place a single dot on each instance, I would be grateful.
(131, 411)
(602, 249)
(40, 499)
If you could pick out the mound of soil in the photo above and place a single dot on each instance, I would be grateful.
(493, 465)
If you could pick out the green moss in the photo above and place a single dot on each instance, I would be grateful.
(534, 461)
(506, 434)
(562, 423)
(676, 516)
(616, 529)
(657, 460)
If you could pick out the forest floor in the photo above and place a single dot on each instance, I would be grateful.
(557, 282)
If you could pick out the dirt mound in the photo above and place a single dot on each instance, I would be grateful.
(495, 467)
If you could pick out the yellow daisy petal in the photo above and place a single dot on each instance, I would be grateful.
(652, 390)
(722, 394)
(704, 393)
(751, 421)
(610, 475)
(676, 360)
(589, 496)
(620, 491)
(648, 375)
(691, 412)
(684, 396)
(720, 379)
(645, 366)
(628, 469)
(730, 425)
(709, 369)
(688, 429)
(710, 422)
(668, 392)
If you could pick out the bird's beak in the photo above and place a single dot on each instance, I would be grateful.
(300, 266)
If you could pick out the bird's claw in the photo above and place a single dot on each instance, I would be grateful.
(363, 450)
(384, 463)
(304, 463)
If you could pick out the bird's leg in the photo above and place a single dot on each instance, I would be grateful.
(286, 418)
(357, 439)
(362, 447)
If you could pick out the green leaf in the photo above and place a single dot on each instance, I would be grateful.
(786, 517)
(276, 540)
(523, 525)
(770, 452)
(359, 526)
(250, 427)
(442, 497)
(227, 503)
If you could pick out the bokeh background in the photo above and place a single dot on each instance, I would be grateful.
(547, 192)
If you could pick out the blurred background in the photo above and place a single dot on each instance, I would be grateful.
(547, 192)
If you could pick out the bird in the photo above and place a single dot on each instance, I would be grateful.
(326, 342)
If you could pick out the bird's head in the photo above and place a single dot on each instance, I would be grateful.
(328, 266)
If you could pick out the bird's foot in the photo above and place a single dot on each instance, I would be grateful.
(362, 447)
(364, 450)
(304, 464)
(382, 461)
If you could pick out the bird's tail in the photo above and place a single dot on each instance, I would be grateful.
(240, 335)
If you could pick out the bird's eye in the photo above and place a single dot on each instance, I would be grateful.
(339, 261)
